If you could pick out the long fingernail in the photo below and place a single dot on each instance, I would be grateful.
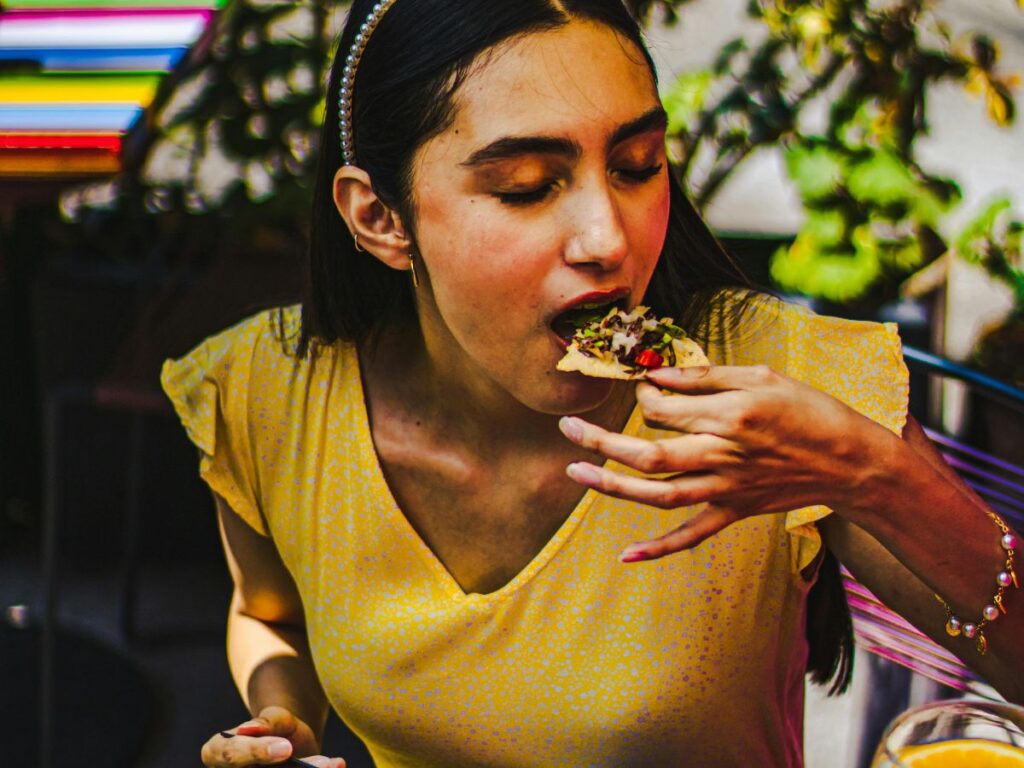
(583, 473)
(689, 372)
(571, 427)
(278, 749)
(631, 555)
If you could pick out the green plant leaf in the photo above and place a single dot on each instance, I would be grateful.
(928, 208)
(826, 227)
(838, 274)
(839, 277)
(684, 100)
(881, 179)
(815, 168)
(974, 239)
(905, 254)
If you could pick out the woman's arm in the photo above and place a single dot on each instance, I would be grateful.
(750, 441)
(267, 647)
(268, 653)
(950, 547)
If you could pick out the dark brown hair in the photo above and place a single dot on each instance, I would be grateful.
(418, 57)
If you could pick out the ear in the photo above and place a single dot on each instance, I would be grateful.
(380, 229)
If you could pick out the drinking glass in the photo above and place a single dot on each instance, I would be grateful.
(978, 734)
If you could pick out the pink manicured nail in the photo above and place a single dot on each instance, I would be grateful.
(634, 556)
(279, 749)
(571, 428)
(583, 473)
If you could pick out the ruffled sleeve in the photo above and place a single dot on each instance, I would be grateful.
(210, 390)
(859, 363)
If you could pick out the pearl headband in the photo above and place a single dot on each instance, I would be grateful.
(348, 77)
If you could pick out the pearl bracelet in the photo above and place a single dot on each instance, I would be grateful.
(1005, 579)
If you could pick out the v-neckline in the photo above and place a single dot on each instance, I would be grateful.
(405, 529)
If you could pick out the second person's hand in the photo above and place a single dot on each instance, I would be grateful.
(274, 737)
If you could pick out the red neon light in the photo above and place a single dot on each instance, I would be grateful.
(13, 15)
(108, 142)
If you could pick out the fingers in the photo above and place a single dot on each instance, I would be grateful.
(723, 400)
(278, 719)
(694, 413)
(324, 762)
(666, 493)
(228, 749)
(706, 380)
(686, 453)
(254, 729)
(244, 750)
(705, 524)
(268, 739)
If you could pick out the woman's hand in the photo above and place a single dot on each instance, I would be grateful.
(751, 442)
(270, 738)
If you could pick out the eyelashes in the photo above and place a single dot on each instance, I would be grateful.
(538, 194)
(643, 174)
(525, 198)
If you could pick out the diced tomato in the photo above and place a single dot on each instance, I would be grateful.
(648, 358)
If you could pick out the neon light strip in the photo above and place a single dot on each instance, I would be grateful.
(83, 89)
(75, 16)
(57, 163)
(110, 142)
(125, 59)
(47, 4)
(69, 117)
(101, 63)
(113, 32)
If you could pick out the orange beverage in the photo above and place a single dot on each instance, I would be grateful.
(955, 734)
(976, 753)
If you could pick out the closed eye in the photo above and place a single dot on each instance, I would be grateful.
(642, 174)
(526, 197)
(637, 176)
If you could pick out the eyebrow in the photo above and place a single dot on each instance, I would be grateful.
(514, 146)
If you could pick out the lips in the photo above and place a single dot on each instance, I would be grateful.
(593, 304)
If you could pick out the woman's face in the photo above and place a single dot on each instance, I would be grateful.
(548, 191)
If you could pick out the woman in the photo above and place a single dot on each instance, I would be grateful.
(424, 519)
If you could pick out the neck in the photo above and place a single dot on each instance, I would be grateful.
(459, 407)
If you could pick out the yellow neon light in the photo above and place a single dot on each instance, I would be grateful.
(55, 89)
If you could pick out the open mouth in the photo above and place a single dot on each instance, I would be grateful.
(567, 323)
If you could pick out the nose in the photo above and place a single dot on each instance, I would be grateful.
(597, 235)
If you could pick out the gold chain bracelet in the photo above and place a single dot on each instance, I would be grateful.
(1005, 579)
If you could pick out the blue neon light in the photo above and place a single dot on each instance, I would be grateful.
(128, 59)
(67, 117)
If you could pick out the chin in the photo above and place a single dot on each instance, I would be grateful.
(574, 393)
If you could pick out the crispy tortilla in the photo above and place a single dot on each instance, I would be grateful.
(688, 355)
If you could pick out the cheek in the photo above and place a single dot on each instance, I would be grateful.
(651, 223)
(479, 261)
(466, 243)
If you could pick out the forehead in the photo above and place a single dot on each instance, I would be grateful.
(583, 79)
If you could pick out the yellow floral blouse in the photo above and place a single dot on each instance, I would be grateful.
(697, 659)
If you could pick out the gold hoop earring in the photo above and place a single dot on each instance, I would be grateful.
(358, 246)
(412, 268)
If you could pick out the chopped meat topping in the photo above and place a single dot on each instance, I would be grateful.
(639, 340)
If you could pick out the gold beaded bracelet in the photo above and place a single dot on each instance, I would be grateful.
(1005, 579)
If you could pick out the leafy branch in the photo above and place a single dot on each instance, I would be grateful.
(873, 213)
